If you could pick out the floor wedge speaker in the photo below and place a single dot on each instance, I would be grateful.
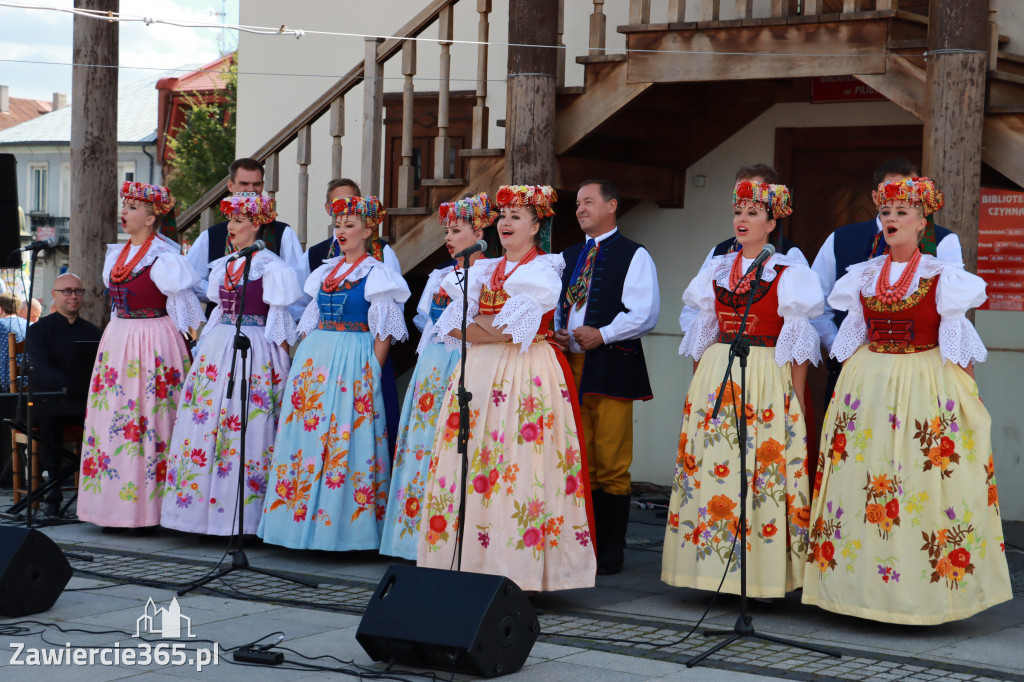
(33, 572)
(470, 623)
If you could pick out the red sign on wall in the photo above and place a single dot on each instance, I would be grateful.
(1001, 248)
(842, 89)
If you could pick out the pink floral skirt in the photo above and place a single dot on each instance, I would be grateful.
(136, 383)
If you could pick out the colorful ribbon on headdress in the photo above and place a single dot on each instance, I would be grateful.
(541, 197)
(157, 195)
(478, 210)
(368, 207)
(915, 191)
(775, 198)
(257, 207)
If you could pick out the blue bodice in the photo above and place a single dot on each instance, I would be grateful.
(345, 309)
(438, 303)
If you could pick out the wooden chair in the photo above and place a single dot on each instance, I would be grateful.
(18, 459)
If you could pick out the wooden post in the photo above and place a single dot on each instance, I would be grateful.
(271, 176)
(373, 112)
(779, 8)
(993, 40)
(598, 27)
(744, 9)
(530, 116)
(94, 188)
(639, 11)
(337, 132)
(710, 10)
(958, 56)
(303, 156)
(207, 218)
(407, 173)
(443, 143)
(560, 31)
(850, 6)
(676, 11)
(811, 8)
(481, 114)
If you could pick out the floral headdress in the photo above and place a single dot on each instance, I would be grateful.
(157, 195)
(368, 207)
(257, 207)
(915, 191)
(477, 210)
(541, 197)
(775, 198)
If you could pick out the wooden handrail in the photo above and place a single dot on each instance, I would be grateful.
(387, 49)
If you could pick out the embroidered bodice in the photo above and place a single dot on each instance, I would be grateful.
(764, 324)
(344, 310)
(138, 297)
(907, 326)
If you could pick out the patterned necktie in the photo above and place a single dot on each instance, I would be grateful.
(578, 290)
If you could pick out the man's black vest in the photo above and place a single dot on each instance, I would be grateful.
(729, 245)
(617, 370)
(218, 239)
(852, 245)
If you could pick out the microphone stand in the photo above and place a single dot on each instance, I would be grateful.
(464, 399)
(744, 627)
(239, 561)
(26, 391)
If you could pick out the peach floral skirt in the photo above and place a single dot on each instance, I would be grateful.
(905, 521)
(526, 498)
(703, 516)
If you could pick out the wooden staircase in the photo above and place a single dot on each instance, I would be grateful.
(685, 85)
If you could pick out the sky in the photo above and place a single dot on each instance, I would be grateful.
(43, 35)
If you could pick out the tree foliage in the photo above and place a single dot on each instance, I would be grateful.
(204, 145)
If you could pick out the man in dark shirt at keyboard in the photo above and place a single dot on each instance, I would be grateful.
(49, 343)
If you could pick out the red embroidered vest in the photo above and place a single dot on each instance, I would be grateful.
(764, 322)
(907, 326)
(138, 297)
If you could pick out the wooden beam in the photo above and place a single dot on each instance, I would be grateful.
(634, 181)
(790, 51)
(1003, 145)
(607, 93)
(639, 11)
(373, 112)
(532, 72)
(902, 83)
(958, 33)
(94, 187)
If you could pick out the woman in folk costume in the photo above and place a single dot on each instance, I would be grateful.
(202, 475)
(464, 222)
(527, 495)
(140, 367)
(703, 510)
(329, 474)
(905, 523)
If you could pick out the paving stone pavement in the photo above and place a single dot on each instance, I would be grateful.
(630, 627)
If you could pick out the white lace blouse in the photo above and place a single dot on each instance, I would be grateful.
(800, 299)
(956, 292)
(385, 291)
(280, 290)
(423, 308)
(532, 289)
(172, 274)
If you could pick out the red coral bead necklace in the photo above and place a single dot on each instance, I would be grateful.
(122, 269)
(891, 293)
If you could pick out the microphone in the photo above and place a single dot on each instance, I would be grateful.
(39, 245)
(481, 245)
(248, 251)
(767, 251)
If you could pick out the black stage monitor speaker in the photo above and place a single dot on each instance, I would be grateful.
(33, 571)
(470, 623)
(10, 231)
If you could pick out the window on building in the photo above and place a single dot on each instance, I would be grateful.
(37, 187)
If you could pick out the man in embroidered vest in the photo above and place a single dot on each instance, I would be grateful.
(859, 242)
(609, 301)
(244, 175)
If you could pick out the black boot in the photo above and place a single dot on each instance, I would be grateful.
(615, 522)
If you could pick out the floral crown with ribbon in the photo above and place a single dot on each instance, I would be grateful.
(775, 198)
(369, 207)
(915, 191)
(157, 195)
(541, 197)
(478, 210)
(257, 207)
